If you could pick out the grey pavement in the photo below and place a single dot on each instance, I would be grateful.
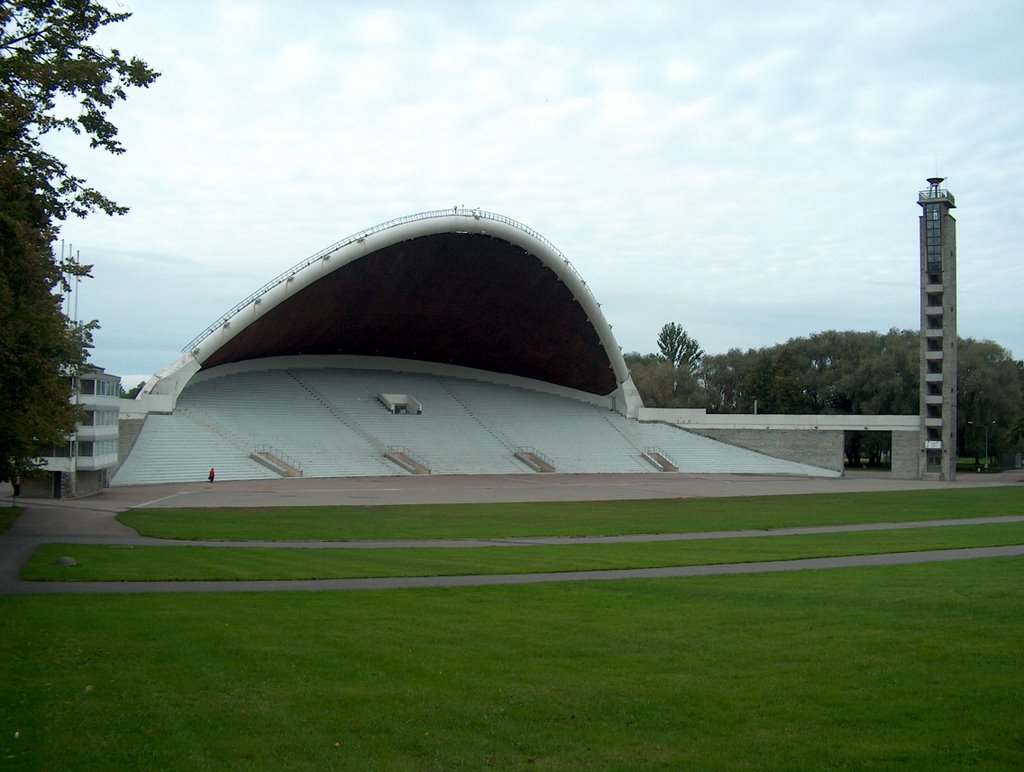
(92, 520)
(408, 582)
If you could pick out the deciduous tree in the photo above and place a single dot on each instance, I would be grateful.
(51, 79)
(989, 387)
(678, 348)
(662, 385)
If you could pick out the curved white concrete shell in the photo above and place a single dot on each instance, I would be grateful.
(486, 251)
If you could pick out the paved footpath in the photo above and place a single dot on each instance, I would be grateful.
(92, 521)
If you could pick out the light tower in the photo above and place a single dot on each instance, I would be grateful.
(938, 333)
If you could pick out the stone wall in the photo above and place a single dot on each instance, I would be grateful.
(820, 447)
(88, 483)
(906, 451)
(38, 485)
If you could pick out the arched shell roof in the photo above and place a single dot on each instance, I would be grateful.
(461, 287)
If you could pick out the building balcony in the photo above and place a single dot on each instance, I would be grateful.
(933, 423)
(933, 311)
(933, 356)
(933, 288)
(92, 463)
(933, 377)
(933, 332)
(933, 399)
(96, 401)
(69, 464)
(58, 464)
(109, 432)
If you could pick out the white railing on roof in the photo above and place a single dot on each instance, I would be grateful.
(936, 194)
(476, 214)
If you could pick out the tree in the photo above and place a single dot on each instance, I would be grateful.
(775, 384)
(133, 392)
(47, 65)
(669, 379)
(724, 378)
(662, 385)
(858, 373)
(1015, 434)
(989, 396)
(678, 348)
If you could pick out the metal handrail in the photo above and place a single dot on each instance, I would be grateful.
(651, 450)
(278, 455)
(935, 194)
(529, 450)
(404, 451)
(477, 214)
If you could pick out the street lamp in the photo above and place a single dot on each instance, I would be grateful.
(990, 423)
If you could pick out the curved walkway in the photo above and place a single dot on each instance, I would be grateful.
(298, 585)
(93, 521)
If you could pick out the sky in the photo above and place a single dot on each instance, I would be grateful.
(745, 169)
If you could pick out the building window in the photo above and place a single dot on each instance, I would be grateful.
(91, 448)
(101, 388)
(933, 238)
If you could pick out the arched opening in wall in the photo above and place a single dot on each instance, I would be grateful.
(871, 450)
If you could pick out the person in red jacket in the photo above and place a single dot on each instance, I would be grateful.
(212, 474)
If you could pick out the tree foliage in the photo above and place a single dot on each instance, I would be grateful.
(844, 373)
(662, 385)
(678, 348)
(724, 380)
(829, 372)
(51, 79)
(669, 379)
(134, 391)
(989, 387)
(1015, 434)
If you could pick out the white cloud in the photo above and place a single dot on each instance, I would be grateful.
(746, 171)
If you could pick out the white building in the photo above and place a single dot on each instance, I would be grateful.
(82, 465)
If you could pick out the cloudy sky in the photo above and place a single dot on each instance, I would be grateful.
(749, 170)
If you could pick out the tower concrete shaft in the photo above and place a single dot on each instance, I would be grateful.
(938, 333)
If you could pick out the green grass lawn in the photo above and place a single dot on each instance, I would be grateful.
(455, 521)
(7, 517)
(117, 563)
(909, 667)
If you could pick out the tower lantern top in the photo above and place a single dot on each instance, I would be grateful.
(936, 193)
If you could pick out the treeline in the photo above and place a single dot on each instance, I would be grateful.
(837, 373)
